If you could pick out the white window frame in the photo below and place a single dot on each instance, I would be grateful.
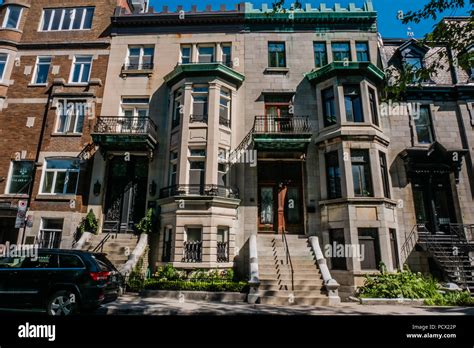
(52, 230)
(56, 171)
(228, 105)
(7, 15)
(73, 66)
(141, 55)
(213, 57)
(68, 120)
(190, 53)
(2, 75)
(35, 72)
(63, 12)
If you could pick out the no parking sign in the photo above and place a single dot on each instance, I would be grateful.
(21, 214)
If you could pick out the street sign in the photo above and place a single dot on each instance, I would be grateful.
(21, 214)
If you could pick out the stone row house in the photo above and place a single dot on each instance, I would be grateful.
(233, 126)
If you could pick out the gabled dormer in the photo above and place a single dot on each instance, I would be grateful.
(412, 54)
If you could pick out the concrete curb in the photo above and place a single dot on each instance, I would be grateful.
(225, 297)
(392, 301)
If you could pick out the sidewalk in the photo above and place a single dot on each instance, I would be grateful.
(135, 305)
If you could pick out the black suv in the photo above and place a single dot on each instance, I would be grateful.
(61, 281)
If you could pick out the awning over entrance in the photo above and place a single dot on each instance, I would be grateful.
(433, 159)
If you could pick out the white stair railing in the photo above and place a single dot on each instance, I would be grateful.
(254, 281)
(330, 283)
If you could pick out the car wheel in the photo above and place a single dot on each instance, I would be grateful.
(62, 303)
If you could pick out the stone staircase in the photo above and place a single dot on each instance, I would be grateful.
(275, 273)
(451, 252)
(117, 247)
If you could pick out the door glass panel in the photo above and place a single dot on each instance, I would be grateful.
(266, 205)
(441, 205)
(421, 215)
(292, 205)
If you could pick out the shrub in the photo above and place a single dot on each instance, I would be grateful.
(406, 284)
(145, 225)
(168, 272)
(88, 224)
(224, 286)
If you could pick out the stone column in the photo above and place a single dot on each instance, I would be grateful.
(212, 135)
(183, 172)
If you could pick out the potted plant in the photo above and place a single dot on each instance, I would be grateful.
(146, 223)
(88, 224)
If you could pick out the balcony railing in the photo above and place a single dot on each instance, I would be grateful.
(222, 252)
(198, 118)
(200, 190)
(192, 251)
(137, 66)
(125, 125)
(289, 125)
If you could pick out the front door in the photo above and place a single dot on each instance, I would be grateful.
(126, 193)
(433, 201)
(280, 197)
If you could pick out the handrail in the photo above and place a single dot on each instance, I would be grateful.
(100, 246)
(246, 141)
(288, 259)
(286, 124)
(125, 125)
(410, 240)
(330, 283)
(254, 276)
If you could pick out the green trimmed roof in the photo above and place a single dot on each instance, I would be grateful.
(204, 69)
(346, 68)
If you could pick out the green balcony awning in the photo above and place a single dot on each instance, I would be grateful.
(204, 69)
(346, 68)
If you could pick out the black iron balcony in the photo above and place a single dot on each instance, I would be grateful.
(200, 190)
(198, 118)
(192, 251)
(282, 133)
(222, 252)
(128, 133)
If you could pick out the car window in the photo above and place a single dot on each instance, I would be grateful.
(103, 267)
(70, 261)
(11, 262)
(41, 261)
(106, 261)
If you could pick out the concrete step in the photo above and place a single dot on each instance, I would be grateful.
(287, 277)
(298, 283)
(287, 287)
(296, 301)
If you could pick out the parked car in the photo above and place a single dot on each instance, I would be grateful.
(62, 282)
(116, 281)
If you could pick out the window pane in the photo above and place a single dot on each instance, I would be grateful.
(361, 173)
(60, 181)
(47, 18)
(13, 16)
(22, 173)
(71, 182)
(89, 16)
(329, 111)
(56, 19)
(85, 72)
(206, 54)
(362, 50)
(341, 51)
(333, 175)
(185, 55)
(320, 55)
(3, 62)
(68, 14)
(353, 104)
(78, 18)
(48, 182)
(423, 126)
(62, 164)
(42, 69)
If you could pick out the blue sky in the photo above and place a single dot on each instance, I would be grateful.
(389, 25)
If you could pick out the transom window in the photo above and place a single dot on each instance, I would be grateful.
(40, 77)
(140, 57)
(21, 173)
(341, 51)
(76, 18)
(60, 176)
(12, 17)
(81, 69)
(276, 55)
(206, 54)
(320, 54)
(3, 65)
(71, 115)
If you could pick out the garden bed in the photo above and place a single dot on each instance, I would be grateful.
(225, 297)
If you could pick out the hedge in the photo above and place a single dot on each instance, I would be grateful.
(215, 286)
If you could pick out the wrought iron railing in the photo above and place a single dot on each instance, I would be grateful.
(288, 259)
(198, 118)
(125, 125)
(192, 251)
(222, 252)
(138, 66)
(288, 125)
(199, 190)
(100, 247)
